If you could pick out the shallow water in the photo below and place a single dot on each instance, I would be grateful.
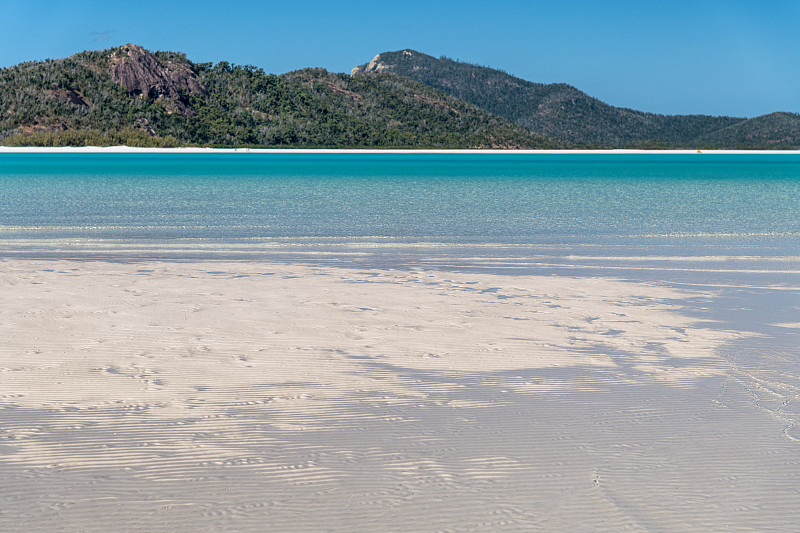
(719, 212)
(731, 222)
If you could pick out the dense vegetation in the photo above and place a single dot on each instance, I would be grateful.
(564, 112)
(76, 101)
(63, 100)
(125, 137)
(404, 99)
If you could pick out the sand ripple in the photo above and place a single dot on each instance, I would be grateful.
(255, 397)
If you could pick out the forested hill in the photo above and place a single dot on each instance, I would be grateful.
(405, 99)
(564, 112)
(128, 95)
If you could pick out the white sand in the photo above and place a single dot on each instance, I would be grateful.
(129, 149)
(261, 397)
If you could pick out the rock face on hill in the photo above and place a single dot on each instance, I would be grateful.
(376, 65)
(142, 74)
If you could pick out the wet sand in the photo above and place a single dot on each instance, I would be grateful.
(244, 396)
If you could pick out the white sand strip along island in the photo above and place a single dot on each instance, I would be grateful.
(198, 150)
(245, 396)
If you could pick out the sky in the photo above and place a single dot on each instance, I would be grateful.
(734, 57)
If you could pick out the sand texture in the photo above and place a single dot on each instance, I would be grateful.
(264, 397)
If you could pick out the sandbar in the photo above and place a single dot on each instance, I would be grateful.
(251, 396)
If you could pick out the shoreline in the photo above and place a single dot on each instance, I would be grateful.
(136, 150)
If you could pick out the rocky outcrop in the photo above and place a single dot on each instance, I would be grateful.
(373, 66)
(143, 75)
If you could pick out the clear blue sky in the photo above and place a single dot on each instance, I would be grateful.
(733, 57)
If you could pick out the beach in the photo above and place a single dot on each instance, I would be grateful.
(229, 395)
(439, 342)
(481, 151)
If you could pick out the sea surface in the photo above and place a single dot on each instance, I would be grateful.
(625, 214)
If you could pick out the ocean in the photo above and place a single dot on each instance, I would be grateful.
(645, 215)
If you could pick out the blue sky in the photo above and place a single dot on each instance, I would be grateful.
(733, 57)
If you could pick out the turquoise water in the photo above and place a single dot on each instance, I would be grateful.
(575, 210)
(726, 224)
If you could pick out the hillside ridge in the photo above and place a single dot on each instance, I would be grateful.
(129, 95)
(402, 99)
(564, 112)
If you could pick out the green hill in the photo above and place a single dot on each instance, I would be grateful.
(405, 99)
(564, 112)
(127, 95)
